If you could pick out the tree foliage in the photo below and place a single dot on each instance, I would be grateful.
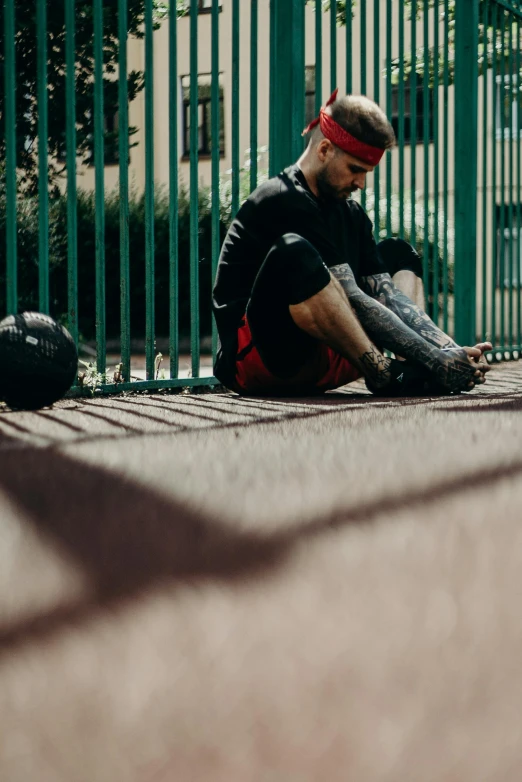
(492, 47)
(26, 66)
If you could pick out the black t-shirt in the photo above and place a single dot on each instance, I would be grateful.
(339, 230)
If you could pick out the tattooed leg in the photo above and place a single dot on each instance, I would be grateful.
(408, 336)
(376, 368)
(382, 287)
(411, 286)
(328, 317)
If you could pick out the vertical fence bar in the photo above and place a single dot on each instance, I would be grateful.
(511, 202)
(494, 247)
(43, 189)
(10, 158)
(215, 117)
(318, 55)
(123, 126)
(436, 265)
(274, 87)
(349, 45)
(376, 97)
(466, 122)
(485, 172)
(362, 20)
(70, 140)
(287, 91)
(445, 183)
(99, 186)
(149, 193)
(519, 243)
(389, 114)
(333, 45)
(235, 107)
(401, 119)
(502, 253)
(427, 277)
(363, 69)
(173, 196)
(194, 204)
(253, 92)
(413, 119)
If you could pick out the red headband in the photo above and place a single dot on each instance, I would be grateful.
(342, 139)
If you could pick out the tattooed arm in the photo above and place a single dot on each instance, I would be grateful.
(381, 287)
(450, 366)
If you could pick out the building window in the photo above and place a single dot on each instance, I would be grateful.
(419, 109)
(205, 6)
(508, 117)
(204, 116)
(509, 246)
(309, 94)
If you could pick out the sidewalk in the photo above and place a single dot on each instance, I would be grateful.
(138, 366)
(202, 587)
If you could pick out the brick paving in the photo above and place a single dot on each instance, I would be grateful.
(202, 587)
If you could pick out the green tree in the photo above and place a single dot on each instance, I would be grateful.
(488, 49)
(27, 71)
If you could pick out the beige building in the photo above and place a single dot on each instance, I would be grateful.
(161, 56)
(432, 162)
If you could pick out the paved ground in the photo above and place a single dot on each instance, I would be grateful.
(222, 590)
(139, 363)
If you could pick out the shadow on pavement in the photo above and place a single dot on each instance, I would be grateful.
(370, 511)
(512, 404)
(128, 538)
(125, 537)
(204, 414)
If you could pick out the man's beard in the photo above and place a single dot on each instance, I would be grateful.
(329, 191)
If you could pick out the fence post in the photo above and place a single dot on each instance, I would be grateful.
(466, 130)
(287, 82)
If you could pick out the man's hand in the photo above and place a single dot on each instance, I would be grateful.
(460, 369)
(476, 356)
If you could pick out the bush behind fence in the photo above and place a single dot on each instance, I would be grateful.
(27, 230)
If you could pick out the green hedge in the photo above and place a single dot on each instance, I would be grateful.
(28, 261)
(27, 215)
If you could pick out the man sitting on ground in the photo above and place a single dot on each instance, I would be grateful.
(306, 301)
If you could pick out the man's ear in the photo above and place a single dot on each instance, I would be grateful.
(324, 149)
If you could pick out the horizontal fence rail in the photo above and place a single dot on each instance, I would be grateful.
(133, 133)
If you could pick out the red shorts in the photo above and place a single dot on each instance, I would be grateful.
(325, 370)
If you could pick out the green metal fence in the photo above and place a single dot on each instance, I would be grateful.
(500, 121)
(446, 73)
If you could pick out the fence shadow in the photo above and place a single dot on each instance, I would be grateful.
(127, 538)
(123, 536)
(512, 404)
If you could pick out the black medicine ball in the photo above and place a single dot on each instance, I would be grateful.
(38, 361)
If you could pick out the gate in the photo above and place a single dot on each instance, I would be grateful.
(164, 119)
(499, 255)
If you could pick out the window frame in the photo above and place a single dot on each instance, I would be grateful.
(502, 281)
(185, 115)
(310, 93)
(202, 9)
(507, 133)
(419, 118)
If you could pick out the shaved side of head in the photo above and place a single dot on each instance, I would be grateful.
(362, 118)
